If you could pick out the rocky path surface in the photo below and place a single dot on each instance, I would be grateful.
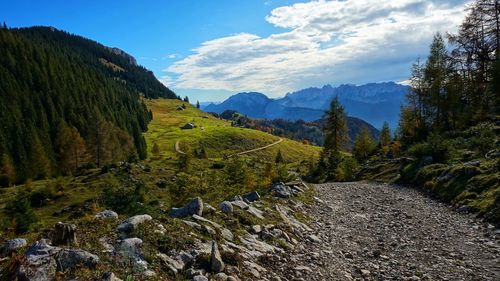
(369, 231)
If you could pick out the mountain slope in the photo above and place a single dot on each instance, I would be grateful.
(66, 101)
(374, 103)
(217, 137)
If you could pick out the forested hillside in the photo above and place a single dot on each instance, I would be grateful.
(66, 102)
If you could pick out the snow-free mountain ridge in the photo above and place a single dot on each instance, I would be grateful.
(374, 103)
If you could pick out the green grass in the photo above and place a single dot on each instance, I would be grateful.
(216, 136)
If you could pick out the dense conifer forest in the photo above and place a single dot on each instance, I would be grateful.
(68, 102)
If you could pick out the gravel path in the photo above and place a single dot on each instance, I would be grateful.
(380, 232)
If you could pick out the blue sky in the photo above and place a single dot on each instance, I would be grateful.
(212, 49)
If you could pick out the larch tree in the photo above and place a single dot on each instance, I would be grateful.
(385, 135)
(364, 146)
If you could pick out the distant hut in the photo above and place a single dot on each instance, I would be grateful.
(180, 108)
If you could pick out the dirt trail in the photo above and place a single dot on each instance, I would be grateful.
(178, 149)
(258, 149)
(380, 232)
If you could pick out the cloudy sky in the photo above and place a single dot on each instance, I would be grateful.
(212, 49)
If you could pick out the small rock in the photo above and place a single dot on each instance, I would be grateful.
(130, 224)
(194, 207)
(226, 207)
(256, 229)
(217, 265)
(110, 276)
(365, 272)
(107, 214)
(175, 265)
(281, 190)
(220, 276)
(207, 208)
(64, 234)
(303, 268)
(251, 196)
(11, 245)
(314, 238)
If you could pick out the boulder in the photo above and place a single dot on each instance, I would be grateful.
(130, 224)
(194, 207)
(71, 258)
(107, 214)
(281, 190)
(226, 207)
(64, 234)
(42, 261)
(216, 263)
(200, 278)
(39, 262)
(11, 245)
(251, 196)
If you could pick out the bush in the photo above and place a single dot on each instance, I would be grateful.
(484, 141)
(435, 146)
(20, 213)
(122, 199)
(347, 168)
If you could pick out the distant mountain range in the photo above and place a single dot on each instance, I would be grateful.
(374, 103)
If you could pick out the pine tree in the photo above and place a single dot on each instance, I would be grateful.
(279, 157)
(198, 104)
(186, 99)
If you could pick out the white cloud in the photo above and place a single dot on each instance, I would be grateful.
(352, 41)
(166, 80)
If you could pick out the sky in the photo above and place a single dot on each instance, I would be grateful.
(209, 50)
